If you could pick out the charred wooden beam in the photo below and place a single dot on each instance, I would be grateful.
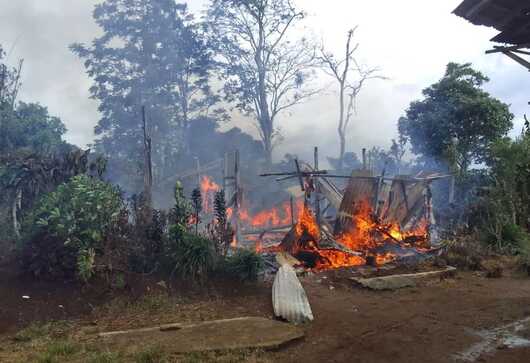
(297, 173)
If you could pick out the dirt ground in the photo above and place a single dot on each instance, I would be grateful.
(429, 323)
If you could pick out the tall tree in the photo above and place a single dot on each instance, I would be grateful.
(350, 77)
(265, 71)
(151, 54)
(457, 121)
(9, 82)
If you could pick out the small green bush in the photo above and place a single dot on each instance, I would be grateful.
(68, 227)
(244, 265)
(513, 239)
(192, 257)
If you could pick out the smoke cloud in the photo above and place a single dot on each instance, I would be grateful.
(410, 41)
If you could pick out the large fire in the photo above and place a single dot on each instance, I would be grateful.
(273, 217)
(367, 240)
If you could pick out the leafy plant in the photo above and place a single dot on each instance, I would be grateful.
(244, 265)
(180, 213)
(222, 232)
(69, 226)
(86, 264)
(192, 257)
(196, 201)
(146, 242)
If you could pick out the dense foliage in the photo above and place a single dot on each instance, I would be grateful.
(69, 226)
(458, 121)
(503, 211)
(245, 265)
(162, 63)
(265, 70)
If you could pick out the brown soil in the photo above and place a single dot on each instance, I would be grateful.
(429, 323)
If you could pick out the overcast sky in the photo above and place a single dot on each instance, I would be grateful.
(411, 41)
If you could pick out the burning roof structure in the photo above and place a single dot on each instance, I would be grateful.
(370, 220)
(378, 220)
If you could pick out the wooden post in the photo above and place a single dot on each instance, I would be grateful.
(364, 159)
(299, 173)
(198, 167)
(225, 172)
(317, 188)
(238, 196)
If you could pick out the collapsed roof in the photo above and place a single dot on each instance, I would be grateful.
(510, 17)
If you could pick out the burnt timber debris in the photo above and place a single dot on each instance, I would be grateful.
(397, 209)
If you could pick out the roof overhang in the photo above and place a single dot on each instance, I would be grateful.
(510, 17)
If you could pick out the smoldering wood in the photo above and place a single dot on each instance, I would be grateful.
(299, 174)
(294, 243)
(295, 174)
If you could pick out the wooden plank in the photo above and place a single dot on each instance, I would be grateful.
(394, 282)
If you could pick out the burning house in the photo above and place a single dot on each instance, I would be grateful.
(378, 220)
(371, 220)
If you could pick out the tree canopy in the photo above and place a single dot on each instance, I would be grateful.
(151, 54)
(457, 121)
(265, 71)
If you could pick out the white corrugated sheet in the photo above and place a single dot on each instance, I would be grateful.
(289, 298)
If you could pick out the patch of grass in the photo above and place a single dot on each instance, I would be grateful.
(230, 356)
(62, 348)
(58, 351)
(150, 303)
(465, 253)
(105, 357)
(151, 355)
(39, 330)
(34, 331)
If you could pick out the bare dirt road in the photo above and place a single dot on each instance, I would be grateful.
(431, 323)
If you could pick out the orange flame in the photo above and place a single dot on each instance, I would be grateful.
(208, 190)
(364, 237)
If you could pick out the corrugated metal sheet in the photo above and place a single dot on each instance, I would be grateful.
(362, 187)
(405, 201)
(330, 191)
(289, 298)
(510, 17)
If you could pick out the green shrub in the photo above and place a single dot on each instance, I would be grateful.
(192, 257)
(151, 355)
(68, 227)
(511, 239)
(244, 265)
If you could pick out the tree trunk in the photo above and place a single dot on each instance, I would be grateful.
(342, 140)
(267, 146)
(148, 173)
(341, 131)
(266, 122)
(17, 203)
